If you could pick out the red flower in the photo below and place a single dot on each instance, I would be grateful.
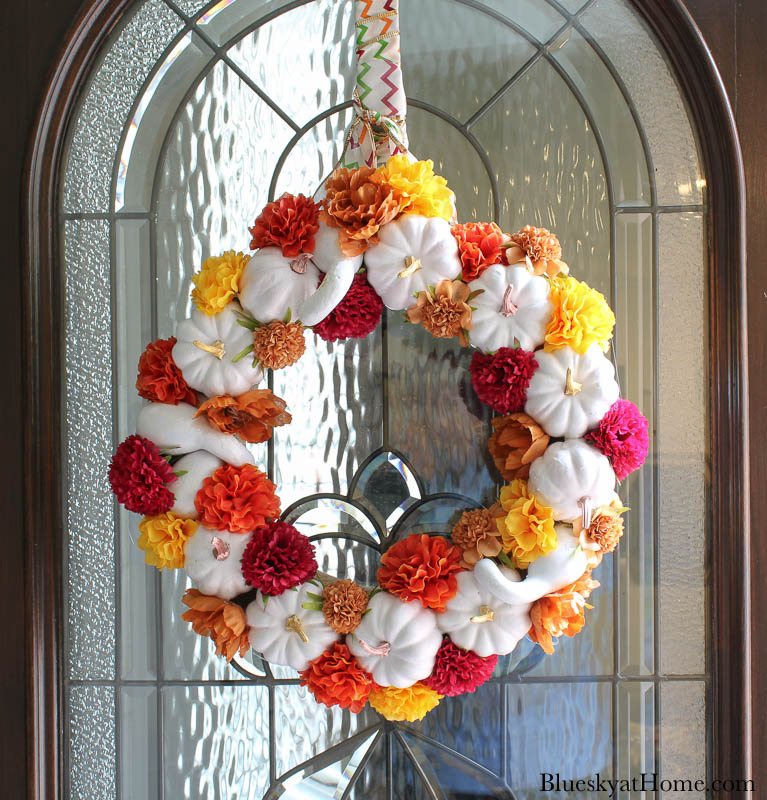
(138, 474)
(501, 379)
(289, 223)
(236, 499)
(622, 436)
(355, 316)
(458, 671)
(479, 246)
(277, 558)
(336, 679)
(159, 379)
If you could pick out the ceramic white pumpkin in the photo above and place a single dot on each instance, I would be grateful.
(212, 562)
(206, 348)
(276, 628)
(396, 641)
(514, 305)
(174, 428)
(196, 467)
(273, 285)
(545, 575)
(569, 393)
(412, 253)
(477, 620)
(570, 475)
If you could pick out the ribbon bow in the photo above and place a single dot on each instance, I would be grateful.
(372, 137)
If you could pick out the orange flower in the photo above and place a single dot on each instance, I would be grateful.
(561, 613)
(542, 247)
(479, 246)
(422, 568)
(279, 344)
(476, 533)
(159, 379)
(251, 415)
(288, 223)
(336, 679)
(516, 442)
(223, 621)
(236, 499)
(343, 604)
(444, 313)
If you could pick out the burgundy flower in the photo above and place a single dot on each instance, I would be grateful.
(501, 379)
(458, 671)
(355, 316)
(138, 474)
(622, 436)
(277, 558)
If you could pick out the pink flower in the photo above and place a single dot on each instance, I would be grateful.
(138, 474)
(622, 436)
(457, 671)
(501, 379)
(355, 316)
(277, 558)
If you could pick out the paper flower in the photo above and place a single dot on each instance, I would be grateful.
(288, 223)
(476, 533)
(404, 705)
(443, 311)
(236, 499)
(541, 246)
(357, 315)
(218, 282)
(252, 415)
(515, 443)
(527, 529)
(605, 530)
(458, 671)
(622, 435)
(343, 604)
(479, 247)
(336, 679)
(501, 378)
(581, 317)
(415, 187)
(278, 557)
(224, 622)
(138, 476)
(278, 344)
(163, 538)
(422, 568)
(159, 379)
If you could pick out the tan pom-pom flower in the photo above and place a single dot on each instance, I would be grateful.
(445, 312)
(279, 344)
(343, 604)
(605, 530)
(476, 533)
(516, 442)
(542, 247)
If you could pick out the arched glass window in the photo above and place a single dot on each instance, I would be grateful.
(556, 113)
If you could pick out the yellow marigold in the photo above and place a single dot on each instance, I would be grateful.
(404, 705)
(218, 282)
(163, 538)
(416, 188)
(581, 316)
(527, 530)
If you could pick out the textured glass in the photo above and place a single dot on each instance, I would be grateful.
(635, 734)
(139, 743)
(92, 754)
(192, 7)
(683, 726)
(539, 19)
(226, 20)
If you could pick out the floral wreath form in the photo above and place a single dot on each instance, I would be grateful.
(444, 608)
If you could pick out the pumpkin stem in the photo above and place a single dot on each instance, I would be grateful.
(508, 308)
(587, 509)
(486, 614)
(412, 265)
(220, 548)
(381, 650)
(572, 387)
(294, 625)
(216, 349)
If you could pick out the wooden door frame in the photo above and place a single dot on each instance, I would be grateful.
(730, 696)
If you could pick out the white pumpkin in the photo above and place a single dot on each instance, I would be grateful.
(212, 562)
(545, 575)
(569, 393)
(285, 632)
(514, 305)
(273, 285)
(396, 641)
(570, 477)
(174, 428)
(412, 254)
(206, 348)
(477, 620)
(196, 467)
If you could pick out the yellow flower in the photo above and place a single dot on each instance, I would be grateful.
(581, 316)
(415, 186)
(163, 538)
(527, 529)
(400, 705)
(218, 282)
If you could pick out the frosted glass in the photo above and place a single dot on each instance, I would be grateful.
(92, 754)
(683, 736)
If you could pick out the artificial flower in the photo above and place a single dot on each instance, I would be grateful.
(605, 529)
(415, 187)
(236, 499)
(218, 282)
(527, 529)
(515, 443)
(581, 317)
(278, 557)
(501, 379)
(422, 568)
(163, 538)
(539, 245)
(288, 223)
(476, 533)
(224, 622)
(458, 671)
(139, 476)
(622, 435)
(278, 344)
(404, 705)
(252, 415)
(159, 379)
(443, 310)
(479, 247)
(357, 315)
(343, 604)
(337, 679)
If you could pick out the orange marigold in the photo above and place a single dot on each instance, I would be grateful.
(515, 443)
(159, 379)
(422, 568)
(542, 247)
(288, 223)
(343, 604)
(476, 533)
(479, 246)
(223, 621)
(279, 344)
(336, 679)
(251, 415)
